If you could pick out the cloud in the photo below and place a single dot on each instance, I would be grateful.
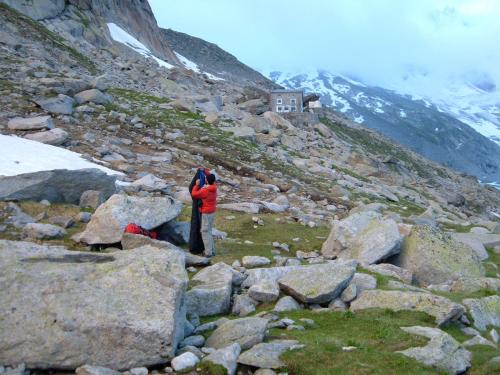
(377, 40)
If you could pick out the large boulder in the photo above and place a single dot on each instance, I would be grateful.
(245, 331)
(388, 269)
(317, 284)
(93, 95)
(471, 285)
(63, 309)
(259, 124)
(434, 257)
(56, 186)
(365, 236)
(442, 352)
(267, 355)
(441, 308)
(484, 311)
(211, 294)
(31, 123)
(59, 105)
(109, 220)
(478, 241)
(53, 137)
(41, 231)
(271, 274)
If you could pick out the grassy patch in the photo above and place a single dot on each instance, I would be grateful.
(277, 227)
(376, 334)
(457, 228)
(406, 208)
(209, 368)
(492, 264)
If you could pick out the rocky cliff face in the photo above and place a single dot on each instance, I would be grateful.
(86, 18)
(213, 59)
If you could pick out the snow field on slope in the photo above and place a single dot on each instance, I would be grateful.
(19, 155)
(121, 36)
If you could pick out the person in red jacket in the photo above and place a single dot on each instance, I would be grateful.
(208, 196)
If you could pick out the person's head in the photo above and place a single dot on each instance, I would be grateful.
(210, 179)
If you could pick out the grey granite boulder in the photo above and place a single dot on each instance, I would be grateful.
(266, 291)
(53, 137)
(266, 355)
(31, 123)
(364, 236)
(247, 332)
(317, 284)
(484, 311)
(70, 299)
(442, 352)
(59, 105)
(111, 218)
(211, 294)
(441, 308)
(434, 257)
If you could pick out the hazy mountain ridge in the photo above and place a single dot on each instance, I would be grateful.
(410, 120)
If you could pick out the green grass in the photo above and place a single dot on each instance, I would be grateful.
(37, 30)
(492, 264)
(56, 209)
(241, 228)
(209, 368)
(376, 334)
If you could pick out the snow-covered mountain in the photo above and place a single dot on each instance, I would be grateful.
(441, 131)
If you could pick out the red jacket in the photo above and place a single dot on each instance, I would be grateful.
(208, 195)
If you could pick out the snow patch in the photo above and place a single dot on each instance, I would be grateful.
(188, 63)
(191, 65)
(121, 36)
(19, 155)
(359, 119)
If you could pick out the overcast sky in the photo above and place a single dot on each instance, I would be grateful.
(375, 40)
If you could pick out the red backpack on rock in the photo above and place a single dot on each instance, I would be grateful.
(137, 229)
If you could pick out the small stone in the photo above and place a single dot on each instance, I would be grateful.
(205, 327)
(348, 348)
(139, 371)
(251, 261)
(295, 327)
(83, 217)
(184, 361)
(494, 335)
(265, 291)
(197, 341)
(286, 303)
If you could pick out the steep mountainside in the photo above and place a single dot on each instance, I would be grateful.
(213, 59)
(415, 123)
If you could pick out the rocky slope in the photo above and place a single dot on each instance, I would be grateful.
(409, 120)
(326, 231)
(214, 59)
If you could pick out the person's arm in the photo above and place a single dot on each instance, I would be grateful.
(199, 193)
